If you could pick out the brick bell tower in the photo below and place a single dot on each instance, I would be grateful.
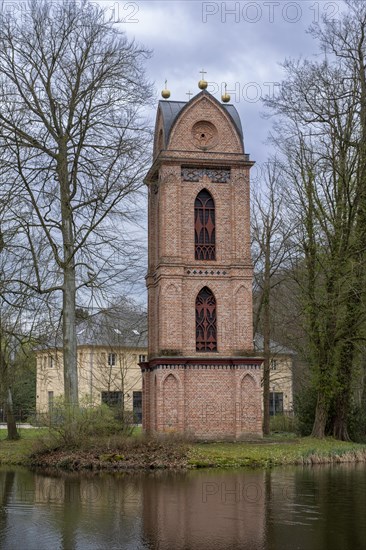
(201, 377)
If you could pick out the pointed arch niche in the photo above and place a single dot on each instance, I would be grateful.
(206, 331)
(171, 403)
(204, 226)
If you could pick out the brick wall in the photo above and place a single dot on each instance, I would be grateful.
(204, 400)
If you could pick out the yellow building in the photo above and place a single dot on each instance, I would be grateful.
(110, 346)
(281, 377)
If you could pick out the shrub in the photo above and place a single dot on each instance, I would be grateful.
(357, 423)
(304, 407)
(74, 427)
(282, 423)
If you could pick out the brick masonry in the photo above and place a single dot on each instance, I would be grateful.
(215, 395)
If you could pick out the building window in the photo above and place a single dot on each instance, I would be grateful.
(274, 364)
(142, 358)
(112, 398)
(204, 226)
(137, 407)
(275, 403)
(112, 359)
(206, 336)
(50, 362)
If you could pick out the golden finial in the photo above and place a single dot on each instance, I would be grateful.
(225, 97)
(203, 83)
(165, 93)
(189, 94)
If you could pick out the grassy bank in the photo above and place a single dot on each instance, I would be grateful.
(121, 453)
(271, 452)
(18, 452)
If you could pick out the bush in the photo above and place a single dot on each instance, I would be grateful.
(75, 427)
(304, 407)
(357, 423)
(282, 423)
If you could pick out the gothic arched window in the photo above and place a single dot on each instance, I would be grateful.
(204, 226)
(206, 334)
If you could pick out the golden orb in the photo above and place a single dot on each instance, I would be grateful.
(203, 84)
(165, 93)
(225, 98)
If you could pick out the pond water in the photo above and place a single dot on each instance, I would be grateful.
(310, 508)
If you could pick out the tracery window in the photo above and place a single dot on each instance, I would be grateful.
(206, 333)
(204, 226)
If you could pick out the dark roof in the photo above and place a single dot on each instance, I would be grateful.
(171, 109)
(274, 347)
(120, 326)
(235, 116)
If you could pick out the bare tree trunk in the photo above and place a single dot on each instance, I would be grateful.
(270, 234)
(266, 338)
(321, 417)
(75, 144)
(340, 429)
(69, 339)
(10, 418)
(266, 393)
(69, 286)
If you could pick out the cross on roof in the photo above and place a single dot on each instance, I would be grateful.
(189, 94)
(203, 74)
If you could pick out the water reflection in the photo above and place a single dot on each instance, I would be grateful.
(283, 509)
(205, 510)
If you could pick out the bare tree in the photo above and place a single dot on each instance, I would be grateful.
(17, 328)
(271, 233)
(73, 148)
(21, 315)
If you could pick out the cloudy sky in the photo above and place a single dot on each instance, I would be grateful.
(240, 43)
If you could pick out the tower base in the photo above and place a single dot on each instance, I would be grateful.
(209, 398)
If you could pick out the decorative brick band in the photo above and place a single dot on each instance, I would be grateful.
(202, 367)
(250, 363)
(191, 271)
(216, 175)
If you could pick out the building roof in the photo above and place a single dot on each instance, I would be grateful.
(274, 347)
(170, 111)
(121, 326)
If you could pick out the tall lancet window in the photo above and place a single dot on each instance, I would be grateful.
(204, 226)
(206, 334)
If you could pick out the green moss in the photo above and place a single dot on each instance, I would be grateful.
(111, 457)
(170, 352)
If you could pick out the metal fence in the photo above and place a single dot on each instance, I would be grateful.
(21, 415)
